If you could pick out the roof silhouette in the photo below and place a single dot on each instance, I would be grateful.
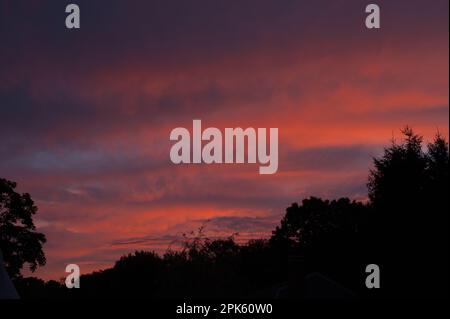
(7, 290)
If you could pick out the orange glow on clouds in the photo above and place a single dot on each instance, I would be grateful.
(95, 110)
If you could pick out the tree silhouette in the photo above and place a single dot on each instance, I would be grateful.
(408, 190)
(403, 228)
(309, 224)
(19, 241)
(327, 235)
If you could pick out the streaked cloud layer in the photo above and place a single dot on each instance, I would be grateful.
(86, 115)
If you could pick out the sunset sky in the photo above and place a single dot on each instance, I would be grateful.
(85, 115)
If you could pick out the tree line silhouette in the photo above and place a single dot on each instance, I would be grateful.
(403, 228)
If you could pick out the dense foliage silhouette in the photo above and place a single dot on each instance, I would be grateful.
(408, 190)
(20, 243)
(403, 228)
